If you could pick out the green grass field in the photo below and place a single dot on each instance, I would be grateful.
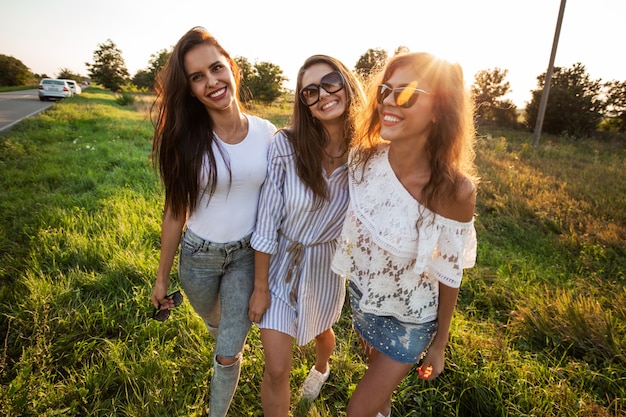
(540, 328)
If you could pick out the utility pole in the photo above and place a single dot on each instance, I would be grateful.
(546, 85)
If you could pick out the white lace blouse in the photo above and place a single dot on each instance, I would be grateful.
(395, 262)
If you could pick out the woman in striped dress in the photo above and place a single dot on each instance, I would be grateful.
(301, 212)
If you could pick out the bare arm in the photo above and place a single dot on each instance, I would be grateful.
(171, 231)
(433, 363)
(461, 209)
(260, 298)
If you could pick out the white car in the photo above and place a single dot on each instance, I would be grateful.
(54, 88)
(74, 86)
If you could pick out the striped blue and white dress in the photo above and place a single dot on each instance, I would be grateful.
(306, 295)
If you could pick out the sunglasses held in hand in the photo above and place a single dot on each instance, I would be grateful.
(162, 315)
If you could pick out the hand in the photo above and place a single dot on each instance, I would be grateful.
(432, 365)
(258, 305)
(158, 295)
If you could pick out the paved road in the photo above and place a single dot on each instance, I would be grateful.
(17, 105)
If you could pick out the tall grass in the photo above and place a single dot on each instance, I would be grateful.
(540, 328)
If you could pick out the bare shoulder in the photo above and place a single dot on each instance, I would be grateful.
(461, 206)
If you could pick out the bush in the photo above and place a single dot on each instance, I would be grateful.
(125, 99)
(573, 108)
(13, 71)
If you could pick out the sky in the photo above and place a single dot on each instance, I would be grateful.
(513, 35)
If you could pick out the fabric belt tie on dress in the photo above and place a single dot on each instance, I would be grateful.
(296, 249)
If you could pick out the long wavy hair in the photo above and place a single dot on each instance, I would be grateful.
(183, 128)
(450, 144)
(308, 136)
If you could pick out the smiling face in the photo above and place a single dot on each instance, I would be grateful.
(210, 77)
(331, 106)
(406, 123)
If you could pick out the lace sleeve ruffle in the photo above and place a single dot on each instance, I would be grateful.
(449, 248)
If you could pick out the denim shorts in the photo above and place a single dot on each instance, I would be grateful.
(218, 279)
(403, 342)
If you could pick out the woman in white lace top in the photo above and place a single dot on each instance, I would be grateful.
(409, 230)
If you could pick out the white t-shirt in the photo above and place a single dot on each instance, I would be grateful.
(230, 213)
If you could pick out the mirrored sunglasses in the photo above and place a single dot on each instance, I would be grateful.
(331, 83)
(162, 315)
(403, 96)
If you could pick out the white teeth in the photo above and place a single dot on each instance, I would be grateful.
(390, 118)
(218, 92)
(328, 105)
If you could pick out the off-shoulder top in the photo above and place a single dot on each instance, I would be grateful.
(395, 250)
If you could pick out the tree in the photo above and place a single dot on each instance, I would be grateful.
(108, 68)
(267, 84)
(247, 74)
(401, 50)
(158, 61)
(145, 78)
(13, 71)
(370, 62)
(574, 106)
(156, 64)
(615, 92)
(505, 113)
(488, 88)
(66, 74)
(262, 81)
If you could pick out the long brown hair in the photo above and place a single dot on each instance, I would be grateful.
(450, 144)
(307, 134)
(183, 128)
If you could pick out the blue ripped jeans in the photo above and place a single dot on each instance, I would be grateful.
(218, 279)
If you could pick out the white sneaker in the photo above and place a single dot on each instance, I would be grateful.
(382, 415)
(313, 383)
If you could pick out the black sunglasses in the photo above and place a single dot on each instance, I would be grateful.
(331, 83)
(403, 96)
(162, 315)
